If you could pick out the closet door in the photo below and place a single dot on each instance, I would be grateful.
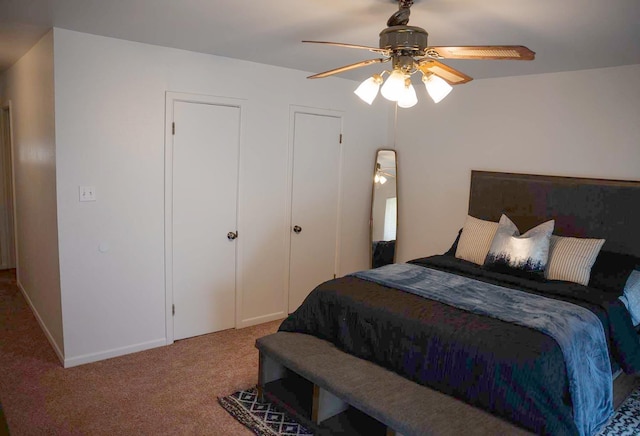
(204, 198)
(314, 203)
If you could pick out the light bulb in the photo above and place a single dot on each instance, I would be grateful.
(394, 86)
(437, 87)
(368, 90)
(408, 97)
(376, 178)
(383, 180)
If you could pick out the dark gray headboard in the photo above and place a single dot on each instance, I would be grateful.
(581, 207)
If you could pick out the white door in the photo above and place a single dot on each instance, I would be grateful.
(314, 203)
(205, 178)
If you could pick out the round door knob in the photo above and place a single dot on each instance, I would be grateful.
(297, 229)
(232, 235)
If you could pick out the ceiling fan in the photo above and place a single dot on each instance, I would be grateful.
(407, 49)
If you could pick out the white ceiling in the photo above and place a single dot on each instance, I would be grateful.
(565, 34)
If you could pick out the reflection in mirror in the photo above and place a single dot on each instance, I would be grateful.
(384, 209)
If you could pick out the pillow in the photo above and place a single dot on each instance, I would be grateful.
(611, 271)
(571, 259)
(526, 254)
(475, 239)
(631, 296)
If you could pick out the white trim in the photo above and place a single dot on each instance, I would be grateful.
(336, 269)
(115, 352)
(239, 215)
(170, 99)
(47, 333)
(293, 110)
(262, 319)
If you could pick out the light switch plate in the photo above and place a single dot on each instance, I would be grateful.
(87, 193)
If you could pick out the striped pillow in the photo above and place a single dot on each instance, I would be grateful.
(571, 259)
(475, 239)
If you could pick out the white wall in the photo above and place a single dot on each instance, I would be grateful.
(110, 112)
(29, 85)
(583, 123)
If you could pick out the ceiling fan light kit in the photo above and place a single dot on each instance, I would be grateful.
(368, 90)
(407, 49)
(408, 98)
(437, 88)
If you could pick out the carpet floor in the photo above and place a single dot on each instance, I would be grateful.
(164, 391)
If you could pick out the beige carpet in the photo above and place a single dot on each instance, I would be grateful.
(168, 390)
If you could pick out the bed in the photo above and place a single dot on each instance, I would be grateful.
(513, 371)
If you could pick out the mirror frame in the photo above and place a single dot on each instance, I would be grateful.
(373, 191)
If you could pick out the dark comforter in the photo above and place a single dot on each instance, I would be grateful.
(513, 371)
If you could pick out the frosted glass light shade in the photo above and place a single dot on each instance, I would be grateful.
(368, 90)
(408, 97)
(394, 86)
(379, 178)
(436, 87)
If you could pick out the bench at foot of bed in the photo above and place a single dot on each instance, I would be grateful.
(335, 392)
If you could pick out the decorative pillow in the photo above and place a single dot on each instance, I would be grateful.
(475, 239)
(526, 254)
(611, 271)
(571, 259)
(631, 296)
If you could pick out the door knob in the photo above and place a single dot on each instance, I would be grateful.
(232, 235)
(297, 229)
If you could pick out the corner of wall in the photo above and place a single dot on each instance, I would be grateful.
(29, 85)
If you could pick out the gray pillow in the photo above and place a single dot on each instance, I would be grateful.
(511, 252)
(631, 296)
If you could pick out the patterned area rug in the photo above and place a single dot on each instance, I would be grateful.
(265, 419)
(262, 417)
(626, 420)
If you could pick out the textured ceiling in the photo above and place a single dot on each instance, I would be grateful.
(566, 35)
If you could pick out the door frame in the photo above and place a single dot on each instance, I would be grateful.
(293, 110)
(170, 99)
(12, 225)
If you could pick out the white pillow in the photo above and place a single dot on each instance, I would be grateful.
(511, 252)
(631, 296)
(475, 239)
(571, 259)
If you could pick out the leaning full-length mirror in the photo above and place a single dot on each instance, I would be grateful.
(384, 208)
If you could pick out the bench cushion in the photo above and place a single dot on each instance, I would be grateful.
(405, 406)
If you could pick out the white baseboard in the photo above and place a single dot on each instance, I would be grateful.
(115, 352)
(261, 319)
(56, 348)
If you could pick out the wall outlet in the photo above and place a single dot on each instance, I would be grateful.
(87, 193)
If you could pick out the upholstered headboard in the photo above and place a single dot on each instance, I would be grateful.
(581, 207)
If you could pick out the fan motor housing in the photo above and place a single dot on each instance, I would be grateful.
(404, 39)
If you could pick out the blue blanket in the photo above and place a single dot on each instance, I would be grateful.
(577, 330)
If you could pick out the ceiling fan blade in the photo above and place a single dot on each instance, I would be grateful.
(348, 67)
(363, 47)
(451, 75)
(510, 52)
